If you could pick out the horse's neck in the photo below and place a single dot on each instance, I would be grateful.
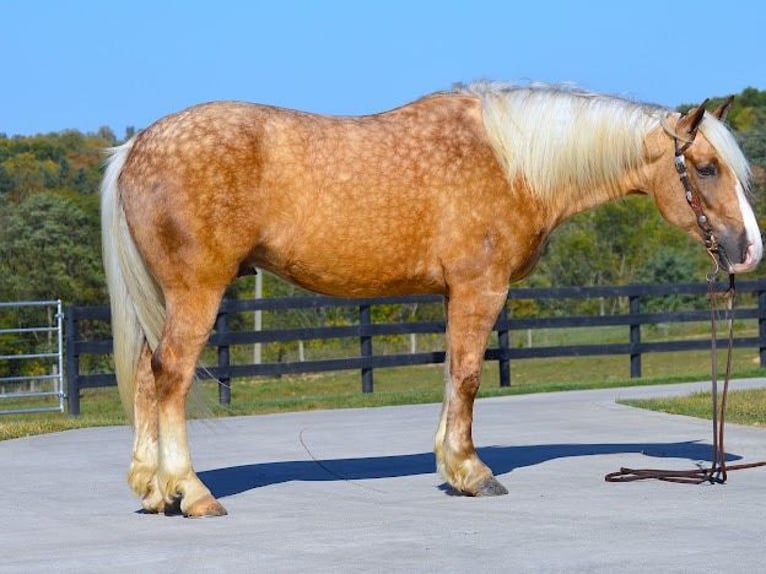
(571, 201)
(570, 195)
(640, 179)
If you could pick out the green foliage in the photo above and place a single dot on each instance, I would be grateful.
(49, 220)
(619, 243)
(50, 239)
(50, 232)
(49, 249)
(57, 161)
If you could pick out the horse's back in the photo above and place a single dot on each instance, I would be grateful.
(343, 205)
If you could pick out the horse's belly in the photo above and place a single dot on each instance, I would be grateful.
(356, 269)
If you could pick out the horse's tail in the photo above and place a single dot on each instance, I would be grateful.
(138, 311)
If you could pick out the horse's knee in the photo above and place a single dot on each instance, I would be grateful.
(465, 374)
(468, 385)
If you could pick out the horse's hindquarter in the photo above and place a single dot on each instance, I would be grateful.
(380, 204)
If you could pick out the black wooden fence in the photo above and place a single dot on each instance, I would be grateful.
(366, 330)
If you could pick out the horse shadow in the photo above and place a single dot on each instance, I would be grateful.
(232, 480)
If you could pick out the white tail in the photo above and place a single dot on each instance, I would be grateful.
(138, 312)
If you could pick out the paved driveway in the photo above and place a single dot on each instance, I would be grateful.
(355, 491)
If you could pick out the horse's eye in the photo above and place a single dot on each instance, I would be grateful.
(707, 170)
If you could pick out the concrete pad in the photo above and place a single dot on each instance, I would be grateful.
(355, 491)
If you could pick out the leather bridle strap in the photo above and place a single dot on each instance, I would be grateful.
(693, 198)
(718, 472)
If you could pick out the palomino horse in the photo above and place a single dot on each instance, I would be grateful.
(453, 194)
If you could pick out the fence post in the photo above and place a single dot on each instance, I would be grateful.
(762, 327)
(365, 347)
(635, 337)
(503, 344)
(224, 379)
(72, 364)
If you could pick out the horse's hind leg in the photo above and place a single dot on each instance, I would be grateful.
(470, 317)
(142, 477)
(189, 320)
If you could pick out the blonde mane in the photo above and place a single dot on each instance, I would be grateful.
(558, 137)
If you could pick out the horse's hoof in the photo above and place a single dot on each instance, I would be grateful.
(153, 502)
(205, 506)
(490, 487)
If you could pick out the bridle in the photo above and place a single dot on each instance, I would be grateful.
(717, 473)
(694, 200)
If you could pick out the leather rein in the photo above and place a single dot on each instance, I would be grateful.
(717, 472)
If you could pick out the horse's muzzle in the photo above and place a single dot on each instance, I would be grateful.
(749, 262)
(740, 253)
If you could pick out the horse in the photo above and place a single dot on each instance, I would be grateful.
(452, 194)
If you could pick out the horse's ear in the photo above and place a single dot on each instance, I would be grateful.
(723, 110)
(689, 122)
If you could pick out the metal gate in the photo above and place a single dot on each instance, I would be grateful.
(31, 357)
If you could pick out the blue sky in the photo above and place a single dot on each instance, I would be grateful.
(85, 64)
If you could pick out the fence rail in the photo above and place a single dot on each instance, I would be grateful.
(366, 361)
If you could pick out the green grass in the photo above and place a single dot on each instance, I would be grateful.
(747, 407)
(396, 386)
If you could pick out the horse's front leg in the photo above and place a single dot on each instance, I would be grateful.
(470, 317)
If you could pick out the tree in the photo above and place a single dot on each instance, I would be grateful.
(49, 249)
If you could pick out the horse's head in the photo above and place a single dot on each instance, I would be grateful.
(700, 184)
